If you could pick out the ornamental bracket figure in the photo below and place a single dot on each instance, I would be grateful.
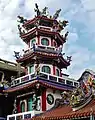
(17, 54)
(56, 15)
(44, 11)
(69, 58)
(64, 23)
(15, 107)
(21, 19)
(37, 10)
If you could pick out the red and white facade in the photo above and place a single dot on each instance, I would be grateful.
(43, 83)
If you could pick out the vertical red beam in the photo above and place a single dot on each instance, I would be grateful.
(38, 40)
(51, 42)
(18, 107)
(44, 100)
(54, 70)
(60, 73)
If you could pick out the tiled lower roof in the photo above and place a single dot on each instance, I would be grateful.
(66, 112)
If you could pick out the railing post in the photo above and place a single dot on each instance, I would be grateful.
(20, 80)
(73, 83)
(57, 79)
(29, 76)
(65, 81)
(48, 76)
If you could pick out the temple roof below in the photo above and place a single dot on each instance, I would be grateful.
(66, 112)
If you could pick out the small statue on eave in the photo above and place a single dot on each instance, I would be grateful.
(37, 10)
(37, 69)
(69, 58)
(34, 101)
(64, 23)
(44, 11)
(37, 23)
(65, 37)
(17, 54)
(56, 15)
(15, 107)
(22, 30)
(65, 99)
(21, 19)
(66, 34)
(19, 28)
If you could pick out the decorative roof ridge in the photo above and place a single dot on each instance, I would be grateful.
(39, 17)
(53, 113)
(32, 53)
(83, 104)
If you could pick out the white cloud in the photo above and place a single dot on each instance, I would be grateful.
(89, 5)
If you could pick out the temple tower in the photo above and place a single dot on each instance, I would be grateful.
(44, 82)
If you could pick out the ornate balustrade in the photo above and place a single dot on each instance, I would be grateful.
(22, 116)
(45, 76)
(42, 48)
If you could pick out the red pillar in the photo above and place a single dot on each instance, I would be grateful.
(44, 100)
(51, 42)
(18, 107)
(38, 40)
(53, 70)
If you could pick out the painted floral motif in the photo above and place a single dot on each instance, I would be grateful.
(85, 91)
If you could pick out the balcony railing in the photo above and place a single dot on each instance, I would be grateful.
(22, 116)
(45, 76)
(42, 48)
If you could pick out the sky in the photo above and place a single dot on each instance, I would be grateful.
(81, 39)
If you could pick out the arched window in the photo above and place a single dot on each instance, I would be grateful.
(45, 41)
(23, 107)
(33, 41)
(30, 104)
(31, 68)
(57, 72)
(46, 69)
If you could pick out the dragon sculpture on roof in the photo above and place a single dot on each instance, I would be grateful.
(85, 92)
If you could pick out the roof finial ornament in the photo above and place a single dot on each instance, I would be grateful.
(64, 23)
(44, 11)
(66, 34)
(69, 58)
(37, 10)
(17, 54)
(56, 15)
(21, 19)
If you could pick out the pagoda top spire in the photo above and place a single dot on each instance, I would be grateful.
(42, 16)
(39, 13)
(56, 15)
(45, 12)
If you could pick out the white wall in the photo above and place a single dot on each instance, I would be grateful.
(55, 93)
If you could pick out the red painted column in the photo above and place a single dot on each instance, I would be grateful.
(44, 100)
(18, 107)
(54, 70)
(38, 40)
(60, 73)
(51, 42)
